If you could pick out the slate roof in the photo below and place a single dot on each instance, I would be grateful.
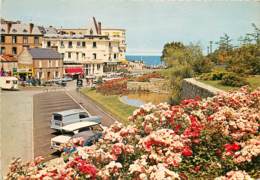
(44, 53)
(21, 29)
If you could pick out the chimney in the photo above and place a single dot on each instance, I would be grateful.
(99, 27)
(95, 23)
(9, 25)
(31, 27)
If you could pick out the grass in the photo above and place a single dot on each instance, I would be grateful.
(254, 82)
(112, 104)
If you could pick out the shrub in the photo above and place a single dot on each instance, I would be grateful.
(216, 75)
(233, 80)
(147, 77)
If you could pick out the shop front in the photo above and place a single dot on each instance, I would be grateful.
(74, 72)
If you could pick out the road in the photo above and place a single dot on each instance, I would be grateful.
(44, 104)
(16, 126)
(25, 120)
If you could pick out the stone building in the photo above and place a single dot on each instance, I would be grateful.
(41, 63)
(16, 35)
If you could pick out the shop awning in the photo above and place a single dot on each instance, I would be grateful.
(74, 70)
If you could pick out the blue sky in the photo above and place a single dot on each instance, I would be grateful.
(149, 23)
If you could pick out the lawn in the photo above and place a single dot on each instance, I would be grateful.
(254, 82)
(112, 104)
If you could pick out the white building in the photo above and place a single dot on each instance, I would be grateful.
(95, 50)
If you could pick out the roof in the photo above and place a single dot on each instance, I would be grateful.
(78, 125)
(84, 134)
(7, 58)
(44, 53)
(21, 29)
(69, 112)
(61, 138)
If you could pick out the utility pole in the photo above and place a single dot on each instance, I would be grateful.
(210, 46)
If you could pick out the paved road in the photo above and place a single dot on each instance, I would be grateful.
(47, 103)
(15, 126)
(44, 105)
(106, 118)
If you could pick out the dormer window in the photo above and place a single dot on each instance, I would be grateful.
(91, 32)
(14, 30)
(2, 30)
(25, 31)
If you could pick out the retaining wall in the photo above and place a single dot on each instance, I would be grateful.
(192, 88)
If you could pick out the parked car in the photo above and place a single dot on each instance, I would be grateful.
(9, 82)
(89, 131)
(63, 118)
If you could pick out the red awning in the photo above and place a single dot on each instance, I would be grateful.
(74, 70)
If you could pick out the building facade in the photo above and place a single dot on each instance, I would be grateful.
(8, 65)
(40, 63)
(95, 50)
(16, 35)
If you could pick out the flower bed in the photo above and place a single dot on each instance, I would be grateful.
(211, 138)
(147, 77)
(113, 87)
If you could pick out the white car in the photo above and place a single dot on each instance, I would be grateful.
(89, 131)
(63, 118)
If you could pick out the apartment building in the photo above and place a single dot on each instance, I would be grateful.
(91, 50)
(14, 36)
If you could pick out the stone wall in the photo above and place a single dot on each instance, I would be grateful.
(192, 88)
(155, 85)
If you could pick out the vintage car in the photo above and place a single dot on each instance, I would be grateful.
(63, 118)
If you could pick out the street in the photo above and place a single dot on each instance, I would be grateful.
(26, 115)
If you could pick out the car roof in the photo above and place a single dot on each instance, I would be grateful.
(61, 138)
(84, 134)
(69, 112)
(78, 125)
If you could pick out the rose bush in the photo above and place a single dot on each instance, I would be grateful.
(113, 87)
(217, 137)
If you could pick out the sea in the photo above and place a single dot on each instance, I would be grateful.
(148, 60)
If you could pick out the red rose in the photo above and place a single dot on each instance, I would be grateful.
(186, 151)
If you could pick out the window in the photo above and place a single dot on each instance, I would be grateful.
(57, 117)
(36, 40)
(2, 50)
(61, 44)
(14, 39)
(2, 39)
(94, 56)
(48, 43)
(78, 44)
(83, 115)
(56, 74)
(62, 55)
(94, 44)
(84, 44)
(49, 63)
(77, 55)
(114, 56)
(25, 39)
(70, 44)
(69, 54)
(98, 66)
(14, 50)
(83, 55)
(40, 64)
(110, 45)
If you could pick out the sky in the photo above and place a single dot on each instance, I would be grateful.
(149, 24)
